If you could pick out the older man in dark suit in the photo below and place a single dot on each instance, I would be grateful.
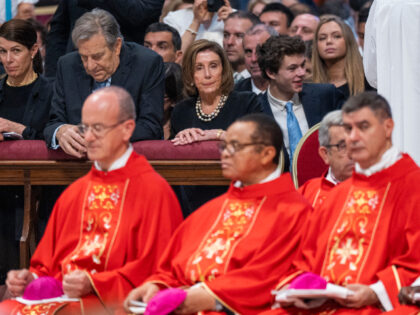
(133, 16)
(255, 36)
(104, 59)
(295, 106)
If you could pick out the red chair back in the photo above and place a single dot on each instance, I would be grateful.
(307, 163)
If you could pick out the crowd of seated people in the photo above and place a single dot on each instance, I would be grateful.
(255, 81)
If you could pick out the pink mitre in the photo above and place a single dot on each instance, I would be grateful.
(43, 288)
(165, 302)
(308, 280)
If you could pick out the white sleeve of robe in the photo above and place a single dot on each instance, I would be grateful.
(392, 64)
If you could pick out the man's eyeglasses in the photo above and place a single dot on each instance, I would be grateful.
(341, 146)
(98, 130)
(234, 147)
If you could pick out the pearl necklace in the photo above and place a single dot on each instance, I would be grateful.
(208, 117)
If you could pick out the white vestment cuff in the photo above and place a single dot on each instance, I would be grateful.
(382, 295)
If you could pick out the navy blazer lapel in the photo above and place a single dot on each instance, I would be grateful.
(263, 97)
(120, 76)
(307, 101)
(84, 83)
(2, 82)
(31, 103)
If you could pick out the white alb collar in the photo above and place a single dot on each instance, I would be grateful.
(331, 178)
(391, 156)
(118, 163)
(274, 175)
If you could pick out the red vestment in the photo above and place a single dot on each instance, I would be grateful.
(366, 230)
(236, 243)
(316, 189)
(113, 225)
(405, 310)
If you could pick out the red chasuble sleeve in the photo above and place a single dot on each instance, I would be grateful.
(144, 214)
(238, 244)
(404, 268)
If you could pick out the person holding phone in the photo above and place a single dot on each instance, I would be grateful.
(205, 20)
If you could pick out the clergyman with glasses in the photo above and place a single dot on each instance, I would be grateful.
(108, 229)
(227, 253)
(333, 150)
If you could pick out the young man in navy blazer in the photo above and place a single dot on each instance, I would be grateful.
(296, 106)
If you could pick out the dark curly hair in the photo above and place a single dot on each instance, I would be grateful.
(272, 52)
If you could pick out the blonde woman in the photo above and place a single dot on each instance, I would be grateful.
(336, 58)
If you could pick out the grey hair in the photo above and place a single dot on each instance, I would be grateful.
(260, 28)
(97, 21)
(333, 118)
(125, 101)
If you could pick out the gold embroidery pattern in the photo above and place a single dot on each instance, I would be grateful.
(212, 257)
(40, 309)
(351, 237)
(100, 216)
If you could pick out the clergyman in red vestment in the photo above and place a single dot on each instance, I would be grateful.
(333, 150)
(365, 235)
(109, 228)
(226, 254)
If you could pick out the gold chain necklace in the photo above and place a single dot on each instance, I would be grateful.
(34, 77)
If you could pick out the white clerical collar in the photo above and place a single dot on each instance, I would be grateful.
(272, 176)
(331, 178)
(118, 163)
(280, 103)
(391, 156)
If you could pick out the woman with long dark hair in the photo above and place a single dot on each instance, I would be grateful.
(25, 98)
(25, 95)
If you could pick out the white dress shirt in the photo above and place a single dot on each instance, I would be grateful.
(278, 107)
(15, 4)
(255, 89)
(182, 19)
(244, 74)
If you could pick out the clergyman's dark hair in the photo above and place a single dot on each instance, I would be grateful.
(377, 103)
(266, 131)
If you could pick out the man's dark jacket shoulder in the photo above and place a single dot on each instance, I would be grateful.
(243, 85)
(140, 72)
(133, 16)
